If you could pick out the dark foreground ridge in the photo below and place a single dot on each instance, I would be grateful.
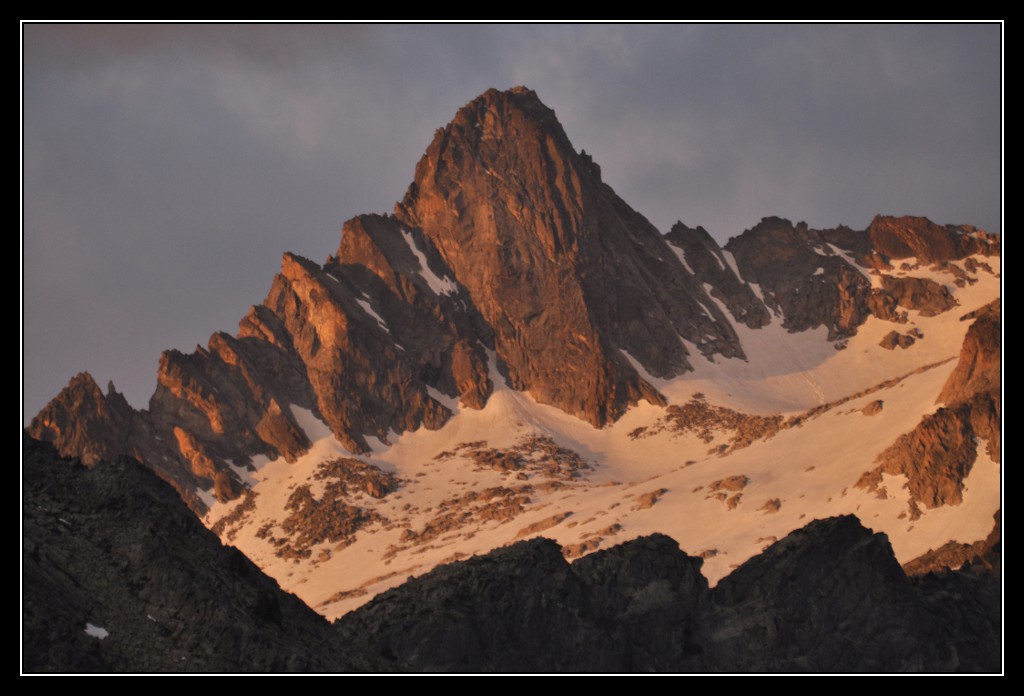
(112, 547)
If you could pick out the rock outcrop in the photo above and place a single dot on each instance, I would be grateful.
(984, 554)
(920, 238)
(979, 367)
(894, 340)
(938, 454)
(84, 420)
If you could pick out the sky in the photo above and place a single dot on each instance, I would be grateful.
(166, 168)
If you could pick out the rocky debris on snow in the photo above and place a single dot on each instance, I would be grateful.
(332, 517)
(972, 265)
(541, 525)
(472, 509)
(816, 411)
(731, 483)
(228, 526)
(961, 278)
(921, 294)
(533, 455)
(707, 421)
(720, 489)
(873, 407)
(895, 339)
(648, 499)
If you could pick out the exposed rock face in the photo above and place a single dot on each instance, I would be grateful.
(984, 554)
(506, 241)
(806, 275)
(922, 294)
(81, 419)
(111, 546)
(560, 267)
(802, 278)
(937, 455)
(978, 369)
(908, 236)
(707, 261)
(83, 422)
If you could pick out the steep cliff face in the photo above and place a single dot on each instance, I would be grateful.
(508, 247)
(560, 267)
(708, 262)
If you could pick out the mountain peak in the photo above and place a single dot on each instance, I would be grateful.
(567, 273)
(508, 257)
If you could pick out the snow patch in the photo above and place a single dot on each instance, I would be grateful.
(681, 256)
(448, 402)
(368, 308)
(96, 631)
(717, 260)
(376, 444)
(208, 498)
(640, 370)
(440, 286)
(819, 271)
(849, 259)
(243, 474)
(314, 428)
(493, 372)
(731, 260)
(756, 288)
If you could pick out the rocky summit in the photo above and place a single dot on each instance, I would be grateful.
(515, 351)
